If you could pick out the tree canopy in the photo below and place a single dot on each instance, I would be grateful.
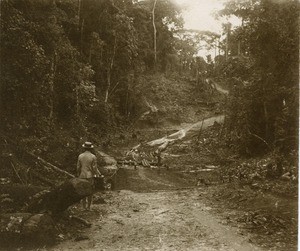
(263, 74)
(69, 63)
(73, 64)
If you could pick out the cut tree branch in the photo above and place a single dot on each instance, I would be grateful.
(53, 167)
(260, 138)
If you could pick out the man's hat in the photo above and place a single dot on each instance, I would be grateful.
(88, 145)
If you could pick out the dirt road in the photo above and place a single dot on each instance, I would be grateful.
(187, 129)
(169, 219)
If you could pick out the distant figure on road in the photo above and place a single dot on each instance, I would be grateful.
(158, 156)
(135, 156)
(158, 152)
(87, 169)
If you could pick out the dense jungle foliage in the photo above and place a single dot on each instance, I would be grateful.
(72, 64)
(69, 68)
(124, 73)
(263, 76)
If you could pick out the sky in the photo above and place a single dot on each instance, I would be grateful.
(198, 15)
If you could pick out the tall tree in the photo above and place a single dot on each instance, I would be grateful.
(267, 76)
(154, 32)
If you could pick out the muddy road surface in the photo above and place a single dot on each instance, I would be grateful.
(157, 211)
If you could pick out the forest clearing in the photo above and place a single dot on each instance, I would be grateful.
(138, 125)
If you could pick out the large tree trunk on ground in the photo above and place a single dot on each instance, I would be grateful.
(61, 197)
(25, 227)
(37, 226)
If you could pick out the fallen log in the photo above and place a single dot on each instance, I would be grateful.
(16, 172)
(25, 227)
(52, 166)
(60, 198)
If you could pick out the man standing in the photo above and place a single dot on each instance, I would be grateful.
(158, 152)
(135, 156)
(87, 169)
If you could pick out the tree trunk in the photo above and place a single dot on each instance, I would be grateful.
(228, 29)
(61, 197)
(127, 101)
(154, 32)
(51, 89)
(108, 85)
(79, 8)
(239, 47)
(81, 36)
(226, 48)
(90, 54)
(110, 69)
(266, 114)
